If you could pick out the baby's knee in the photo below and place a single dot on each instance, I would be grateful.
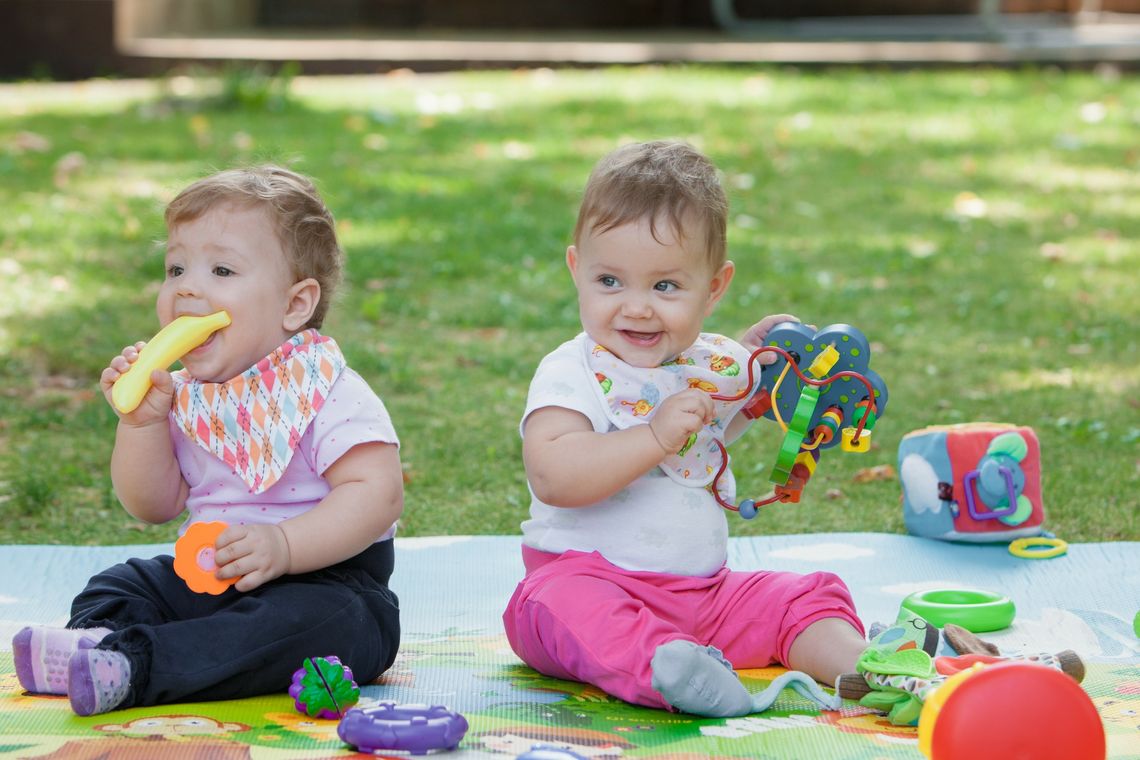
(818, 591)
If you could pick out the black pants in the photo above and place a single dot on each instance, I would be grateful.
(187, 647)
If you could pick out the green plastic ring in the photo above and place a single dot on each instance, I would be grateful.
(976, 611)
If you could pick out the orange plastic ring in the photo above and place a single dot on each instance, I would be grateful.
(194, 558)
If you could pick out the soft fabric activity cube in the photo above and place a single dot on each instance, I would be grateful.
(977, 481)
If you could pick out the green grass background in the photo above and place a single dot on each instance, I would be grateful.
(980, 226)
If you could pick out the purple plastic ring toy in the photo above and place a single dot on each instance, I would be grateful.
(417, 729)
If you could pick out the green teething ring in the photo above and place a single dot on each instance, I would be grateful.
(976, 611)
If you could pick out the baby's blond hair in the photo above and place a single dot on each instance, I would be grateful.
(304, 225)
(663, 179)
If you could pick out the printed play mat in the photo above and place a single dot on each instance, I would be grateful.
(452, 590)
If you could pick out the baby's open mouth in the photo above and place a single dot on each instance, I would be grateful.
(644, 338)
(206, 343)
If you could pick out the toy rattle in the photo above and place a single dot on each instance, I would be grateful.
(417, 729)
(170, 344)
(323, 687)
(812, 411)
(194, 558)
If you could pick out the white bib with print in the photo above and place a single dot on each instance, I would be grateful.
(630, 395)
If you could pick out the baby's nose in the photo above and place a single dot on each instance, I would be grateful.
(189, 285)
(636, 306)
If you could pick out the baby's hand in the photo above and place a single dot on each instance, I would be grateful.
(257, 553)
(155, 405)
(679, 416)
(755, 336)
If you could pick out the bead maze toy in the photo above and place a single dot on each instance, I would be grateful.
(834, 398)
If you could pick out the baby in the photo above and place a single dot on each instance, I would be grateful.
(626, 585)
(266, 429)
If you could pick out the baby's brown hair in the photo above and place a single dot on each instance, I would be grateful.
(304, 224)
(667, 179)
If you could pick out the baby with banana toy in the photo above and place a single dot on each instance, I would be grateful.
(265, 429)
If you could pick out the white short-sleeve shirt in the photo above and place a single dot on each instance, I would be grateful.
(352, 414)
(655, 524)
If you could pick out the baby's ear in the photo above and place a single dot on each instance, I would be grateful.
(718, 286)
(302, 302)
(572, 259)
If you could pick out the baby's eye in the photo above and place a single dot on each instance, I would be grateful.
(223, 271)
(666, 286)
(608, 281)
(173, 270)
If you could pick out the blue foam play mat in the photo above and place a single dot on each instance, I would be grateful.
(452, 590)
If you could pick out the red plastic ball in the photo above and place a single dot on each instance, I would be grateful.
(1018, 711)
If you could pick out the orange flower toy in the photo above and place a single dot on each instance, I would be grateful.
(194, 558)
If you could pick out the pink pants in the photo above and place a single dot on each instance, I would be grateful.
(578, 617)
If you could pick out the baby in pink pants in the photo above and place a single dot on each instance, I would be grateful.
(626, 586)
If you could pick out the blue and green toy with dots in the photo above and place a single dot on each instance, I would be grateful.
(840, 405)
(822, 391)
(839, 402)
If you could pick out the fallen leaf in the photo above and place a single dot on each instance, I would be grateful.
(68, 165)
(1053, 251)
(29, 142)
(871, 474)
(243, 141)
(921, 249)
(1093, 113)
(969, 205)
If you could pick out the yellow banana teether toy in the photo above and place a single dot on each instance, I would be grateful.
(171, 343)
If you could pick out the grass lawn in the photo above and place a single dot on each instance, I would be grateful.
(981, 227)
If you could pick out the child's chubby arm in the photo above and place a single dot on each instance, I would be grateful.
(568, 464)
(144, 470)
(367, 496)
(753, 339)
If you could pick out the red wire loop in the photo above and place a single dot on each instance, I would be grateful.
(748, 391)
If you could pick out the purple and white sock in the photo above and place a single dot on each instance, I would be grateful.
(99, 680)
(41, 654)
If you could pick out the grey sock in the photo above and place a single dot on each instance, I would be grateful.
(698, 680)
(802, 684)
